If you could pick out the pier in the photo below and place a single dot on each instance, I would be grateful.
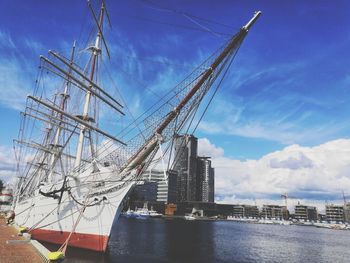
(14, 248)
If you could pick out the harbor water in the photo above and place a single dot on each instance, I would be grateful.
(178, 240)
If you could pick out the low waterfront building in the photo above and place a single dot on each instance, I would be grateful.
(305, 213)
(224, 210)
(238, 211)
(248, 211)
(322, 217)
(335, 213)
(274, 211)
(209, 209)
(170, 209)
(251, 211)
(347, 212)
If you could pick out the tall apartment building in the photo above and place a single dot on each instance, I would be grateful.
(172, 186)
(335, 213)
(195, 176)
(205, 180)
(185, 164)
(304, 213)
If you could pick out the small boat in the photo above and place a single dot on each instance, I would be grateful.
(154, 213)
(142, 213)
(283, 222)
(129, 213)
(242, 219)
(190, 217)
(264, 221)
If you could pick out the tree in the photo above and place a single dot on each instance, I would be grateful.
(1, 185)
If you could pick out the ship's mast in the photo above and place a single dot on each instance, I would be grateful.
(55, 145)
(60, 119)
(150, 145)
(96, 51)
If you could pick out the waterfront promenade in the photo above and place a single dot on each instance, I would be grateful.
(14, 248)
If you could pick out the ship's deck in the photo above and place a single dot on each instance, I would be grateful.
(14, 248)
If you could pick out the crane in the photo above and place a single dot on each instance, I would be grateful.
(285, 196)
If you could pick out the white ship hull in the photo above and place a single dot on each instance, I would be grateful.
(52, 222)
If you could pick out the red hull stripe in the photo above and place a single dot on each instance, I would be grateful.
(86, 241)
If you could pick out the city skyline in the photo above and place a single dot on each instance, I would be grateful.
(280, 120)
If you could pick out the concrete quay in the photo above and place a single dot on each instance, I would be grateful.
(18, 249)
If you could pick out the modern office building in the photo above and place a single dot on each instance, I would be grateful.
(335, 213)
(165, 185)
(274, 211)
(185, 164)
(305, 213)
(205, 180)
(172, 186)
(145, 191)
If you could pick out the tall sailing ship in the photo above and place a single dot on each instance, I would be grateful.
(74, 176)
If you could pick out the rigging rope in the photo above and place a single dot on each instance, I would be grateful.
(63, 248)
(215, 91)
(202, 28)
(167, 9)
(177, 158)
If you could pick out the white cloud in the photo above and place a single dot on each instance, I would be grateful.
(285, 133)
(205, 148)
(293, 163)
(34, 46)
(16, 76)
(6, 157)
(14, 84)
(7, 163)
(308, 174)
(6, 40)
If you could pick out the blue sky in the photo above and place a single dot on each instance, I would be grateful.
(288, 84)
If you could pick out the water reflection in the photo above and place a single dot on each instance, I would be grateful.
(189, 241)
(160, 240)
